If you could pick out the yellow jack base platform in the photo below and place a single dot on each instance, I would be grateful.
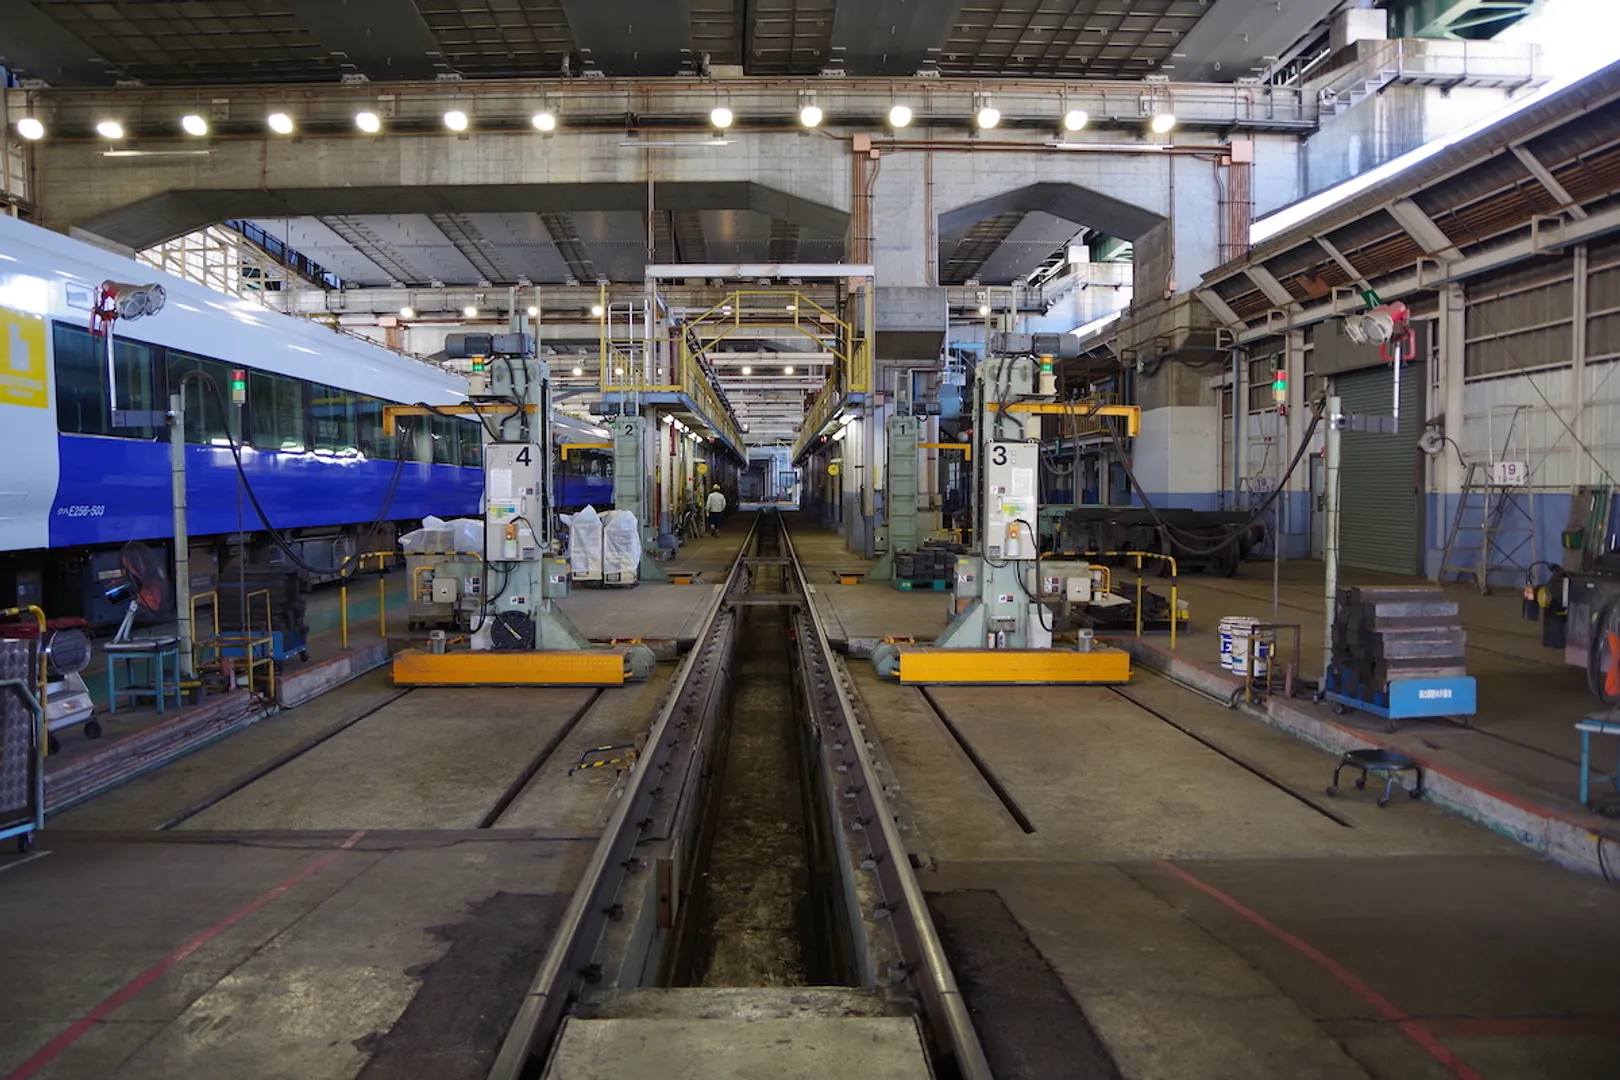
(920, 664)
(562, 667)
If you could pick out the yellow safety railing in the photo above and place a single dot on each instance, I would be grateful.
(828, 400)
(698, 385)
(381, 558)
(1176, 616)
(257, 645)
(680, 373)
(746, 311)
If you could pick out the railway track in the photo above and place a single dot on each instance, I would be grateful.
(635, 930)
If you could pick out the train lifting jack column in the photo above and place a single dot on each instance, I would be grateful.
(1001, 632)
(518, 637)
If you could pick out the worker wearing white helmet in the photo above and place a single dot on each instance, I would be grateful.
(716, 505)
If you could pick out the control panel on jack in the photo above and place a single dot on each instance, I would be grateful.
(512, 494)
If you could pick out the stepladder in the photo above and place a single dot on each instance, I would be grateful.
(1493, 529)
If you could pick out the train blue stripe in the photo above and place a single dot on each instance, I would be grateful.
(112, 490)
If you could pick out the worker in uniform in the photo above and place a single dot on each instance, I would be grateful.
(716, 506)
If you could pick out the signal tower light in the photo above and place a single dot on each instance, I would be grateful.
(1279, 389)
(238, 387)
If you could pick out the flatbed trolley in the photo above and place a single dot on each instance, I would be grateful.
(1403, 699)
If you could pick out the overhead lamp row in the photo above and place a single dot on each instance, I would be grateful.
(31, 127)
(471, 311)
(810, 115)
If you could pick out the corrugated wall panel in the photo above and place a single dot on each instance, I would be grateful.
(1520, 317)
(1505, 418)
(1601, 419)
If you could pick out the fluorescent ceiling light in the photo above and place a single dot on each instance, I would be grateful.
(368, 122)
(194, 124)
(110, 129)
(900, 116)
(810, 115)
(280, 123)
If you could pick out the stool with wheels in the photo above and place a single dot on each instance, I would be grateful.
(1388, 763)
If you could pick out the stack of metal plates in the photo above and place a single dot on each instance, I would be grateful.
(1381, 635)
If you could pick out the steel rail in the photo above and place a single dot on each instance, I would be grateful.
(565, 966)
(921, 948)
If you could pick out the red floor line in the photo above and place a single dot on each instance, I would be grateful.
(124, 994)
(1401, 1018)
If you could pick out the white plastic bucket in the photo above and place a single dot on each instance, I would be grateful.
(1242, 635)
(1227, 625)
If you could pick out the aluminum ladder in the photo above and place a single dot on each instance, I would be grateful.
(1506, 529)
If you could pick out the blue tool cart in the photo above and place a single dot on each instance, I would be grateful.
(1401, 699)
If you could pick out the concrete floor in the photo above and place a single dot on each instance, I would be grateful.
(341, 916)
(657, 609)
(1172, 914)
(1209, 922)
(1529, 699)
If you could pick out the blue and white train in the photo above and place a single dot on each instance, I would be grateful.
(74, 488)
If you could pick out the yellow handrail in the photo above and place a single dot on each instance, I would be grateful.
(382, 598)
(1175, 605)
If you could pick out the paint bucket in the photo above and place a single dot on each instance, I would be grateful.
(1242, 641)
(1227, 625)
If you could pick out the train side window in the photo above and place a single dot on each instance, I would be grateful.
(332, 411)
(368, 427)
(446, 440)
(276, 412)
(205, 425)
(81, 382)
(414, 434)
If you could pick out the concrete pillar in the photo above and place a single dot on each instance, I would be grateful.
(1296, 505)
(1446, 469)
(902, 225)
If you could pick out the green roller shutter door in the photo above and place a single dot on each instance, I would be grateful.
(1381, 525)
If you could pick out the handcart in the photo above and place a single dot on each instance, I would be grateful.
(1412, 698)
